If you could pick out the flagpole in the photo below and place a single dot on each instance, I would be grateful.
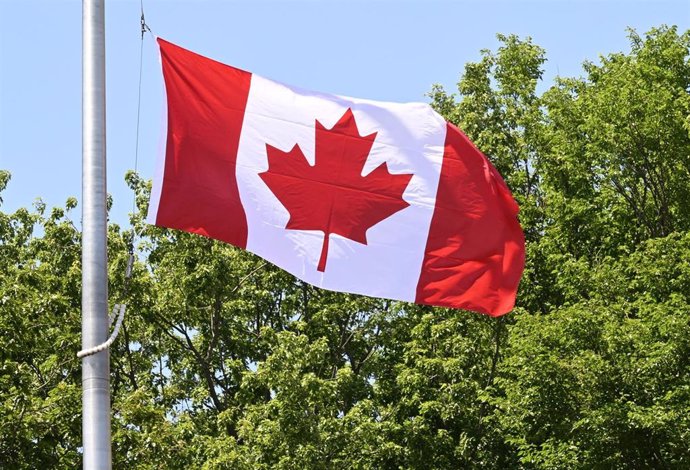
(95, 324)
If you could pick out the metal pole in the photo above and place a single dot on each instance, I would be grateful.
(95, 324)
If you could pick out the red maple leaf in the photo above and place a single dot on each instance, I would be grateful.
(332, 196)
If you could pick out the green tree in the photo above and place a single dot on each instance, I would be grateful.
(40, 381)
(617, 161)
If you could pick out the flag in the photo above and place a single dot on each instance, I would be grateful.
(352, 195)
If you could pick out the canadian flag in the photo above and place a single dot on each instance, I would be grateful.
(375, 198)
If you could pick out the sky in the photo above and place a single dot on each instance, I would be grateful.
(378, 49)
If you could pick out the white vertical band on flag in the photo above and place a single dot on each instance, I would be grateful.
(410, 139)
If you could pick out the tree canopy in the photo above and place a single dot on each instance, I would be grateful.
(225, 361)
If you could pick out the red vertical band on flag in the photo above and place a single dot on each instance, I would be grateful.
(475, 252)
(206, 104)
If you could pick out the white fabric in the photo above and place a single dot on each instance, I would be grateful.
(410, 139)
(157, 187)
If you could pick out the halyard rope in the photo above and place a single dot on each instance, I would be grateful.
(119, 311)
(111, 340)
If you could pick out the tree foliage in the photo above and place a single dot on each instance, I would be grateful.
(225, 361)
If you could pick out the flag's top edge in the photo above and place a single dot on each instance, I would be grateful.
(163, 43)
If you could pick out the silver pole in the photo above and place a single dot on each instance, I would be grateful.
(95, 324)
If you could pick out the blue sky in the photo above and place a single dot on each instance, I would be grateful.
(384, 50)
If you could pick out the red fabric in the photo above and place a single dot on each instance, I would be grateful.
(475, 252)
(206, 103)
